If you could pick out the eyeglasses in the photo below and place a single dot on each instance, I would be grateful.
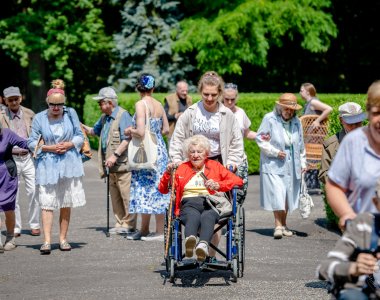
(56, 104)
(207, 95)
(231, 86)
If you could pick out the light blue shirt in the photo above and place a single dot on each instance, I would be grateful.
(125, 122)
(50, 167)
(356, 168)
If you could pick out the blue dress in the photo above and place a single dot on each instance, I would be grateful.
(145, 197)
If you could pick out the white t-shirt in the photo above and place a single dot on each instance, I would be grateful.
(207, 124)
(243, 120)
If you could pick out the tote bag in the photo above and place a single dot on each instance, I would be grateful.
(142, 152)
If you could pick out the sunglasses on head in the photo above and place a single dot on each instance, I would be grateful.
(230, 86)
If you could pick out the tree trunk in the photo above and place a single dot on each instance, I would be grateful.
(36, 85)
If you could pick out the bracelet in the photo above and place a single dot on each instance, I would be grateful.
(116, 154)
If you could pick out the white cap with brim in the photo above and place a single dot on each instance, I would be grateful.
(106, 92)
(12, 91)
(351, 113)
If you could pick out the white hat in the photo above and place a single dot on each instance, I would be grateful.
(11, 91)
(106, 92)
(351, 113)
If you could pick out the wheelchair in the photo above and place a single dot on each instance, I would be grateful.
(234, 252)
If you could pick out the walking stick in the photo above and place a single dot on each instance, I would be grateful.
(108, 201)
(170, 213)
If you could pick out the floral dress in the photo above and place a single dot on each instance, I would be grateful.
(145, 197)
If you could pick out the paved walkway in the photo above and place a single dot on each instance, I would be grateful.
(115, 268)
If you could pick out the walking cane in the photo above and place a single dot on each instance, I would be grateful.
(170, 212)
(108, 201)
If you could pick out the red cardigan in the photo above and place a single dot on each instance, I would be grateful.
(213, 170)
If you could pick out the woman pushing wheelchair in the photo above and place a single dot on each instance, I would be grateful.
(195, 180)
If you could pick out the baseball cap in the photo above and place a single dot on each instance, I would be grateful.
(106, 92)
(11, 91)
(351, 113)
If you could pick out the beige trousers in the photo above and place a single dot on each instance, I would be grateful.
(120, 185)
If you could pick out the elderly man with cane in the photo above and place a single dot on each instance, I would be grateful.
(113, 157)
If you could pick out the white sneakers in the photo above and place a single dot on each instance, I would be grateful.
(153, 236)
(190, 243)
(286, 231)
(201, 251)
(278, 233)
(10, 243)
(281, 231)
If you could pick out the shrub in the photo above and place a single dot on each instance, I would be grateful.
(256, 105)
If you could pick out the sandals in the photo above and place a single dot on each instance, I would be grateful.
(45, 249)
(64, 246)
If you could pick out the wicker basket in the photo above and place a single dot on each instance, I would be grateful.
(313, 138)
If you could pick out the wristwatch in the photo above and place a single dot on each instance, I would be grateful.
(116, 154)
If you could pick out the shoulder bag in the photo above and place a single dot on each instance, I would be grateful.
(142, 152)
(85, 150)
(306, 202)
(220, 203)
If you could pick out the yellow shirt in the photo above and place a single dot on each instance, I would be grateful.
(195, 187)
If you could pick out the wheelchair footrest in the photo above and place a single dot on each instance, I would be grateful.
(187, 264)
(216, 266)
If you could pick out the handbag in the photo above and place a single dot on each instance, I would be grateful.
(220, 203)
(85, 151)
(142, 152)
(306, 202)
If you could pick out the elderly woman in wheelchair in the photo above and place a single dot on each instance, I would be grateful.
(199, 183)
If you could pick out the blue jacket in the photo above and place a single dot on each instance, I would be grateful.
(50, 167)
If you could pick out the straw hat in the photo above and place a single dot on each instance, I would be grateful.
(289, 100)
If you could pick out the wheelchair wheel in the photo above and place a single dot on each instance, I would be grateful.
(172, 271)
(235, 270)
(241, 244)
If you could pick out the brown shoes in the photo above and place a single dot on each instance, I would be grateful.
(35, 232)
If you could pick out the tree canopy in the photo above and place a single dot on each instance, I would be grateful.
(144, 44)
(56, 38)
(223, 38)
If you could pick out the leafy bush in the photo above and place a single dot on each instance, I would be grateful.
(256, 105)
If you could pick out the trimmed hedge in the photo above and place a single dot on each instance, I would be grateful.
(256, 105)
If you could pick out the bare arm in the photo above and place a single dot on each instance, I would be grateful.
(165, 123)
(139, 131)
(338, 201)
(324, 108)
(89, 130)
(249, 134)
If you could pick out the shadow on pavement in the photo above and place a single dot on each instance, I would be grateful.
(322, 222)
(269, 232)
(54, 246)
(317, 284)
(196, 278)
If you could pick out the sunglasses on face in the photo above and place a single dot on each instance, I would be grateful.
(56, 104)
